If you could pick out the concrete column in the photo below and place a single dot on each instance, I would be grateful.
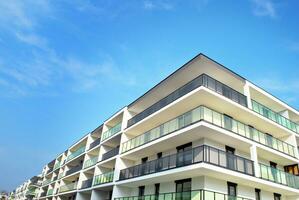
(247, 94)
(254, 158)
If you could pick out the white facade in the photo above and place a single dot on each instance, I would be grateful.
(202, 133)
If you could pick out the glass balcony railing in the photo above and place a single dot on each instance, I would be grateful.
(202, 80)
(87, 183)
(274, 116)
(46, 182)
(95, 143)
(50, 192)
(90, 162)
(74, 169)
(275, 175)
(213, 117)
(60, 175)
(188, 195)
(199, 154)
(103, 178)
(113, 152)
(76, 153)
(68, 187)
(57, 165)
(30, 193)
(112, 131)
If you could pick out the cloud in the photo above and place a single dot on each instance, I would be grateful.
(157, 5)
(264, 8)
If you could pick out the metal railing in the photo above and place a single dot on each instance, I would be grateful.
(103, 178)
(87, 183)
(111, 153)
(76, 153)
(90, 162)
(202, 80)
(112, 131)
(74, 169)
(187, 195)
(213, 117)
(95, 143)
(274, 116)
(68, 187)
(278, 176)
(199, 154)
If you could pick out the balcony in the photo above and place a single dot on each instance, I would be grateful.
(274, 116)
(43, 194)
(30, 193)
(90, 162)
(46, 182)
(188, 195)
(103, 178)
(202, 80)
(76, 153)
(87, 183)
(95, 143)
(56, 166)
(73, 170)
(50, 192)
(206, 114)
(278, 176)
(60, 175)
(68, 187)
(113, 152)
(112, 131)
(196, 155)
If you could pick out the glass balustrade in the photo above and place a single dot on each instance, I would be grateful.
(103, 178)
(76, 153)
(274, 116)
(202, 80)
(87, 183)
(213, 117)
(95, 143)
(187, 195)
(199, 154)
(68, 187)
(50, 192)
(46, 181)
(278, 176)
(90, 162)
(113, 152)
(112, 131)
(57, 165)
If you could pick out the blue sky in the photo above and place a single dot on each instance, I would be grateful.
(67, 65)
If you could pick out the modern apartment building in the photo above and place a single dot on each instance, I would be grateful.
(28, 190)
(203, 133)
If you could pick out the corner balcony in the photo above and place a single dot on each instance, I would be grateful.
(199, 154)
(90, 162)
(76, 153)
(202, 80)
(188, 195)
(68, 187)
(203, 113)
(274, 116)
(56, 166)
(277, 176)
(103, 178)
(112, 131)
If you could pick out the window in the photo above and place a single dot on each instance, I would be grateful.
(292, 169)
(277, 196)
(231, 159)
(184, 154)
(228, 122)
(257, 194)
(183, 189)
(157, 189)
(231, 189)
(141, 191)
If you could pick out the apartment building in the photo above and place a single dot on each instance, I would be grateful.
(28, 190)
(203, 133)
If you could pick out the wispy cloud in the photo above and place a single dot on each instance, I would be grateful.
(264, 8)
(158, 5)
(44, 69)
(286, 88)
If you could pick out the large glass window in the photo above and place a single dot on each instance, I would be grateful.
(183, 189)
(231, 190)
(184, 154)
